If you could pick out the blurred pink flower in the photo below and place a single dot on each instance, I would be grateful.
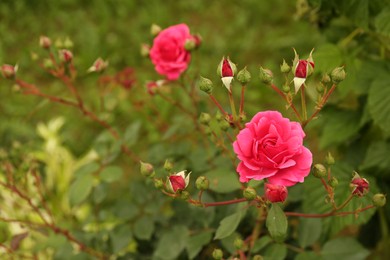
(271, 146)
(275, 193)
(168, 54)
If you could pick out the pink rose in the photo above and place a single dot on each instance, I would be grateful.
(168, 54)
(275, 193)
(271, 146)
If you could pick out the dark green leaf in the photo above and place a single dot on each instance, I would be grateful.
(196, 242)
(382, 22)
(87, 169)
(379, 103)
(228, 225)
(344, 248)
(121, 237)
(377, 156)
(275, 252)
(309, 231)
(309, 255)
(144, 227)
(172, 243)
(80, 188)
(277, 223)
(223, 180)
(327, 57)
(357, 11)
(131, 135)
(261, 243)
(111, 173)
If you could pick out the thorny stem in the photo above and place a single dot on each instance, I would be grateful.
(289, 102)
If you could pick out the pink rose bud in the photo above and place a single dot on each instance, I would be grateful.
(65, 55)
(44, 42)
(152, 86)
(359, 186)
(9, 71)
(275, 193)
(178, 182)
(226, 69)
(98, 66)
(302, 69)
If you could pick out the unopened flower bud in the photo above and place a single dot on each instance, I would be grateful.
(266, 76)
(285, 68)
(243, 117)
(204, 118)
(98, 66)
(184, 195)
(244, 76)
(155, 29)
(205, 85)
(65, 55)
(338, 75)
(333, 182)
(168, 165)
(275, 193)
(249, 193)
(208, 131)
(319, 170)
(198, 40)
(320, 88)
(379, 200)
(224, 125)
(217, 254)
(146, 169)
(178, 181)
(190, 44)
(218, 116)
(226, 70)
(238, 243)
(257, 257)
(302, 70)
(9, 71)
(44, 42)
(144, 50)
(48, 64)
(286, 89)
(158, 183)
(359, 186)
(325, 78)
(202, 183)
(329, 160)
(68, 44)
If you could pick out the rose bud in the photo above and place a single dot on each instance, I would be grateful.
(155, 29)
(44, 42)
(226, 69)
(152, 86)
(244, 76)
(284, 67)
(144, 50)
(302, 69)
(178, 181)
(8, 71)
(275, 193)
(379, 200)
(249, 193)
(146, 169)
(98, 66)
(266, 76)
(65, 55)
(338, 75)
(359, 186)
(205, 85)
(202, 183)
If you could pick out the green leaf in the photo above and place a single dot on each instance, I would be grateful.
(87, 169)
(327, 57)
(357, 11)
(196, 242)
(309, 255)
(111, 173)
(144, 227)
(277, 223)
(379, 103)
(172, 243)
(382, 22)
(132, 132)
(261, 243)
(223, 180)
(121, 237)
(275, 252)
(309, 231)
(344, 248)
(377, 156)
(228, 225)
(80, 189)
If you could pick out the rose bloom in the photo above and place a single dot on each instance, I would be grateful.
(271, 146)
(168, 54)
(275, 193)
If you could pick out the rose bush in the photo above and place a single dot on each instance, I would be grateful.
(168, 53)
(271, 146)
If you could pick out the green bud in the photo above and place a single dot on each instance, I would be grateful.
(202, 183)
(319, 170)
(379, 200)
(325, 78)
(243, 117)
(218, 116)
(144, 50)
(244, 76)
(257, 257)
(205, 85)
(285, 68)
(184, 195)
(158, 183)
(249, 193)
(333, 182)
(168, 165)
(217, 254)
(320, 88)
(155, 29)
(224, 125)
(208, 130)
(286, 89)
(338, 75)
(238, 243)
(190, 44)
(48, 64)
(146, 169)
(68, 44)
(266, 76)
(204, 118)
(329, 160)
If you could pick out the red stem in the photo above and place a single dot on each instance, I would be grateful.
(221, 203)
(332, 213)
(218, 105)
(290, 103)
